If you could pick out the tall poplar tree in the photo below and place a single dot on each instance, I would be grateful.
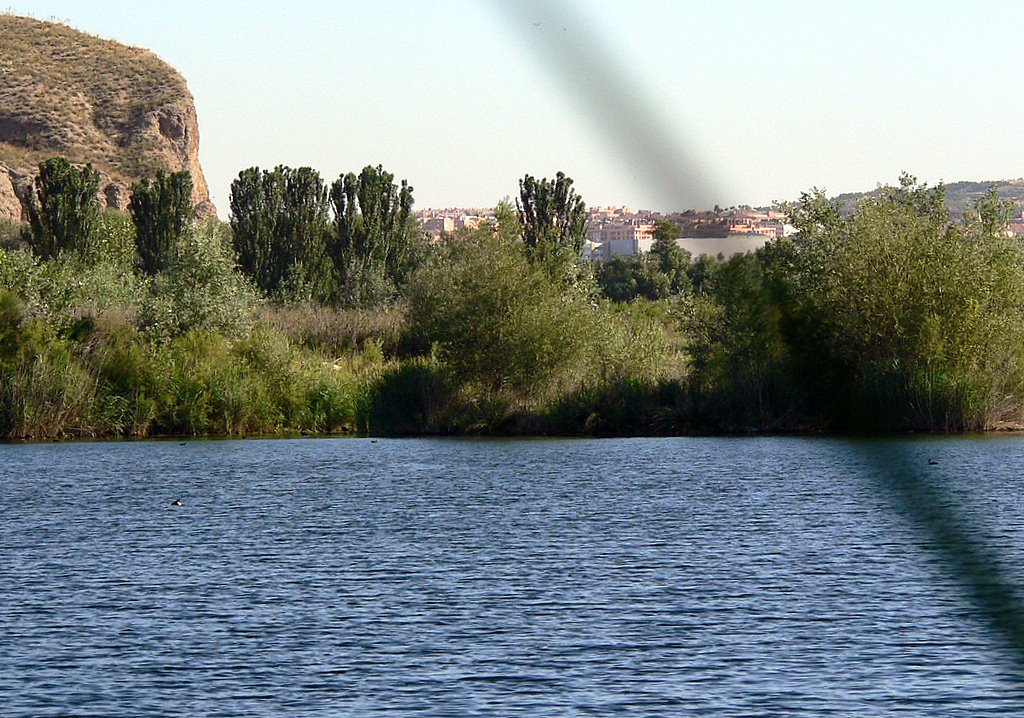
(63, 207)
(162, 213)
(553, 218)
(279, 221)
(373, 233)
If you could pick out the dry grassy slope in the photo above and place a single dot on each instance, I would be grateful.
(64, 92)
(959, 195)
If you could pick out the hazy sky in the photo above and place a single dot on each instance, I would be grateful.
(654, 104)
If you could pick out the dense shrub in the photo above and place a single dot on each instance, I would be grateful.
(628, 406)
(411, 398)
(891, 318)
(200, 289)
(513, 336)
(44, 392)
(920, 319)
(500, 322)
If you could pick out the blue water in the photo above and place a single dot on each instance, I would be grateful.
(637, 577)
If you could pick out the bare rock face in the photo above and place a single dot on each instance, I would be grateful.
(117, 194)
(122, 109)
(10, 204)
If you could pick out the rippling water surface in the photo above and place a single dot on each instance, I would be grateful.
(669, 577)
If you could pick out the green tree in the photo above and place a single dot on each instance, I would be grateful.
(624, 279)
(63, 208)
(672, 260)
(701, 273)
(279, 222)
(741, 361)
(617, 280)
(553, 218)
(199, 288)
(257, 203)
(904, 319)
(508, 226)
(374, 233)
(500, 322)
(303, 233)
(162, 213)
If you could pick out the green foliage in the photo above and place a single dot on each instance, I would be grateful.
(661, 272)
(741, 363)
(626, 407)
(503, 326)
(624, 279)
(11, 316)
(893, 317)
(12, 234)
(115, 382)
(279, 223)
(412, 398)
(890, 318)
(553, 219)
(301, 390)
(44, 392)
(625, 343)
(162, 213)
(617, 278)
(499, 321)
(917, 309)
(374, 231)
(701, 274)
(508, 226)
(112, 242)
(62, 290)
(63, 209)
(19, 273)
(200, 289)
(672, 260)
(132, 378)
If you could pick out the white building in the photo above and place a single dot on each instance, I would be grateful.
(618, 239)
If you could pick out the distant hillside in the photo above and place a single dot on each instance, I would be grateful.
(959, 195)
(64, 92)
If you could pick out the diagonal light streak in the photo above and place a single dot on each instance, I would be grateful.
(608, 92)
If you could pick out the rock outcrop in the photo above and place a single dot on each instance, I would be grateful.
(70, 94)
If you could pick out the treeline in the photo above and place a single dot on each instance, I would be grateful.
(318, 308)
(890, 318)
(323, 308)
(352, 243)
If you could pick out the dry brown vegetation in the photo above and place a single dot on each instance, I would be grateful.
(65, 92)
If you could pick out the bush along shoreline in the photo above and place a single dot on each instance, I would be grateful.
(323, 309)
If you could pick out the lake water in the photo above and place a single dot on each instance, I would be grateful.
(634, 577)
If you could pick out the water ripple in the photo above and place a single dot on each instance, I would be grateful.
(676, 577)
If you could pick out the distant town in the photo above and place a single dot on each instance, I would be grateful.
(721, 233)
(623, 231)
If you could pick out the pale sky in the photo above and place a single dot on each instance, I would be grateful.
(657, 104)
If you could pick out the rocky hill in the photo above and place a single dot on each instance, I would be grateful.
(67, 93)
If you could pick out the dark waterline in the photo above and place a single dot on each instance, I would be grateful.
(718, 577)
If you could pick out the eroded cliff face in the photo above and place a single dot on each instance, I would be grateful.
(66, 93)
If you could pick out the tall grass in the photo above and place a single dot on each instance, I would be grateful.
(47, 395)
(336, 331)
(414, 397)
(113, 381)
